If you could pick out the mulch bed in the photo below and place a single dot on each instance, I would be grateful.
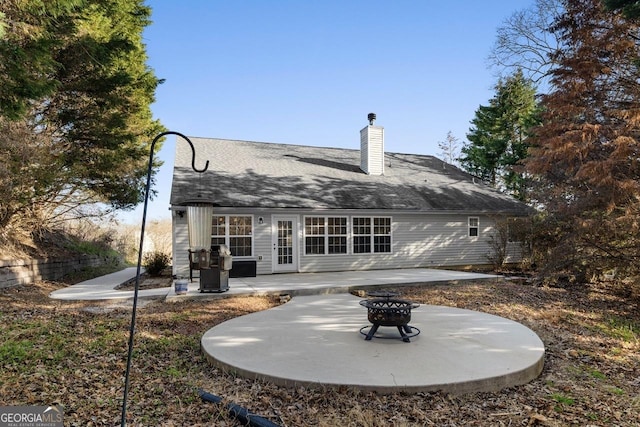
(147, 282)
(69, 353)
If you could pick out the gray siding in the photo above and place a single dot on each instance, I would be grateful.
(417, 241)
(514, 252)
(262, 245)
(263, 250)
(440, 240)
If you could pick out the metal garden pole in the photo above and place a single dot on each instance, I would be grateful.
(132, 328)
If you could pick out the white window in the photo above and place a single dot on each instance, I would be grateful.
(371, 235)
(325, 235)
(474, 226)
(235, 231)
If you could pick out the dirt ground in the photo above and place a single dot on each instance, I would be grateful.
(74, 354)
(147, 282)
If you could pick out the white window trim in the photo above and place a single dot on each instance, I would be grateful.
(227, 235)
(470, 227)
(326, 235)
(349, 236)
(373, 235)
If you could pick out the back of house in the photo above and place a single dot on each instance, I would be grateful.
(291, 208)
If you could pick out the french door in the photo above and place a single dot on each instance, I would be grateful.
(285, 244)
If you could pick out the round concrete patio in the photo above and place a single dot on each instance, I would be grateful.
(316, 341)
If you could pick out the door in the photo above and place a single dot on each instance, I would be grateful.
(285, 244)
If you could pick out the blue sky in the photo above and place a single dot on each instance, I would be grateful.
(308, 72)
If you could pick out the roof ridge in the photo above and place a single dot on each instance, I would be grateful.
(308, 146)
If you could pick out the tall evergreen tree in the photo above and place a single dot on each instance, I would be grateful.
(586, 156)
(498, 138)
(74, 73)
(630, 8)
(32, 33)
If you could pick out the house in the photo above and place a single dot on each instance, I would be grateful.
(293, 208)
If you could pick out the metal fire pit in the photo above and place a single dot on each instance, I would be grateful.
(389, 311)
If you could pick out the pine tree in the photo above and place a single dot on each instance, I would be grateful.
(630, 8)
(498, 139)
(73, 76)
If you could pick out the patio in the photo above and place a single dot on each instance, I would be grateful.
(315, 341)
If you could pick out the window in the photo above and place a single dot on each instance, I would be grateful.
(361, 235)
(314, 235)
(474, 226)
(325, 235)
(218, 231)
(330, 235)
(234, 231)
(371, 235)
(240, 235)
(337, 235)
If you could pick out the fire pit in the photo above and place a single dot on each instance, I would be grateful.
(385, 310)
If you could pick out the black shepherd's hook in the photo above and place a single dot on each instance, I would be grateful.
(193, 150)
(132, 329)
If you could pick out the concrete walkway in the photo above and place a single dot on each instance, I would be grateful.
(296, 284)
(103, 288)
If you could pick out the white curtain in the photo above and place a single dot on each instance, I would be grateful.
(199, 220)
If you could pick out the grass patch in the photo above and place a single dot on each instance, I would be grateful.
(597, 374)
(90, 247)
(91, 272)
(617, 391)
(562, 401)
(15, 352)
(622, 328)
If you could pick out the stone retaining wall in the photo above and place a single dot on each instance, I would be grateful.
(19, 272)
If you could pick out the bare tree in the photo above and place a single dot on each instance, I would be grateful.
(159, 232)
(527, 41)
(158, 239)
(450, 149)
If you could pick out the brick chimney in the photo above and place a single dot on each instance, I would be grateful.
(372, 148)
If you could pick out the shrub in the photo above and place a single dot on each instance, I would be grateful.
(155, 262)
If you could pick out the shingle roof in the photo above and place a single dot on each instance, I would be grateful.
(268, 175)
